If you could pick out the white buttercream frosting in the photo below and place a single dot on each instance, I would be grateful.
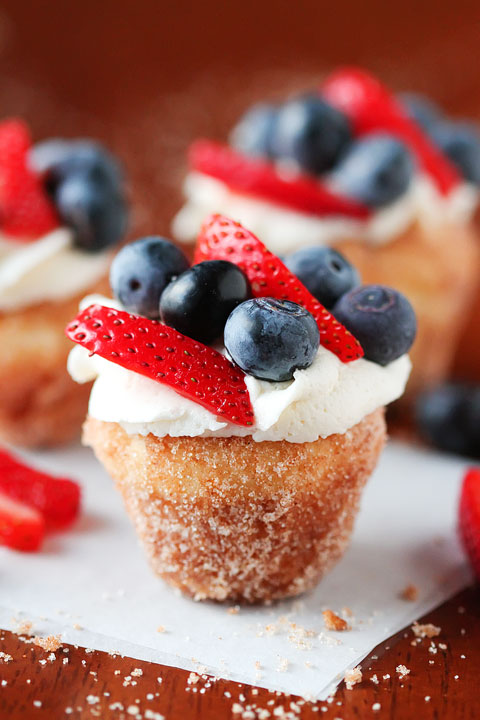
(47, 269)
(328, 397)
(285, 230)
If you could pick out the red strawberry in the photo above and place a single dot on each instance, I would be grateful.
(25, 209)
(57, 499)
(259, 178)
(371, 107)
(469, 517)
(159, 352)
(21, 526)
(223, 239)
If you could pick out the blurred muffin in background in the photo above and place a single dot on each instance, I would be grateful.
(62, 210)
(350, 165)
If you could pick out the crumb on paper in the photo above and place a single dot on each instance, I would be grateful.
(77, 626)
(353, 677)
(427, 630)
(282, 665)
(161, 629)
(234, 610)
(410, 593)
(402, 670)
(23, 627)
(334, 622)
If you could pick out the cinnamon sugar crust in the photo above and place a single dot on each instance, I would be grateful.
(41, 405)
(436, 268)
(229, 518)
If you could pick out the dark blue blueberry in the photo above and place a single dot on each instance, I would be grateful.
(142, 270)
(252, 134)
(461, 143)
(325, 272)
(96, 212)
(375, 171)
(311, 133)
(200, 300)
(421, 109)
(448, 417)
(381, 319)
(270, 339)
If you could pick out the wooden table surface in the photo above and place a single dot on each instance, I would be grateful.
(147, 78)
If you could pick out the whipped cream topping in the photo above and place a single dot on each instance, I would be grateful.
(47, 269)
(327, 398)
(285, 230)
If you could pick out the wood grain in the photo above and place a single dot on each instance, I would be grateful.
(95, 684)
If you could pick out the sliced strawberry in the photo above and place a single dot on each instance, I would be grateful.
(21, 526)
(159, 352)
(371, 107)
(25, 209)
(223, 239)
(57, 499)
(469, 517)
(259, 178)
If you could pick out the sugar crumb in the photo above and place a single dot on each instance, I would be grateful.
(353, 677)
(427, 630)
(402, 670)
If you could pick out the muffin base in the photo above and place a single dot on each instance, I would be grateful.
(41, 406)
(229, 518)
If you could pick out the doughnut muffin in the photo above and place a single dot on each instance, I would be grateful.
(350, 166)
(239, 419)
(62, 209)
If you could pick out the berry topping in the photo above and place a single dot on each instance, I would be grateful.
(26, 212)
(142, 270)
(57, 499)
(21, 527)
(461, 144)
(375, 170)
(382, 320)
(372, 108)
(448, 417)
(420, 109)
(224, 239)
(270, 339)
(199, 302)
(310, 133)
(324, 272)
(252, 134)
(259, 178)
(469, 517)
(160, 353)
(87, 186)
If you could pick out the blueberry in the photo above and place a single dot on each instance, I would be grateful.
(311, 133)
(142, 270)
(381, 319)
(448, 417)
(270, 339)
(323, 271)
(58, 159)
(95, 211)
(252, 134)
(421, 109)
(200, 300)
(375, 170)
(461, 143)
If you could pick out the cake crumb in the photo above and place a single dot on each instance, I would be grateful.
(334, 622)
(49, 643)
(353, 677)
(402, 670)
(427, 630)
(410, 593)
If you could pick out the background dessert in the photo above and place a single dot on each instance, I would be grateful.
(63, 209)
(243, 480)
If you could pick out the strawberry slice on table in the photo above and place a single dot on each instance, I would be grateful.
(159, 352)
(223, 239)
(259, 178)
(371, 107)
(26, 211)
(57, 499)
(469, 517)
(21, 526)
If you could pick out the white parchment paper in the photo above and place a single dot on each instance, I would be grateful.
(95, 576)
